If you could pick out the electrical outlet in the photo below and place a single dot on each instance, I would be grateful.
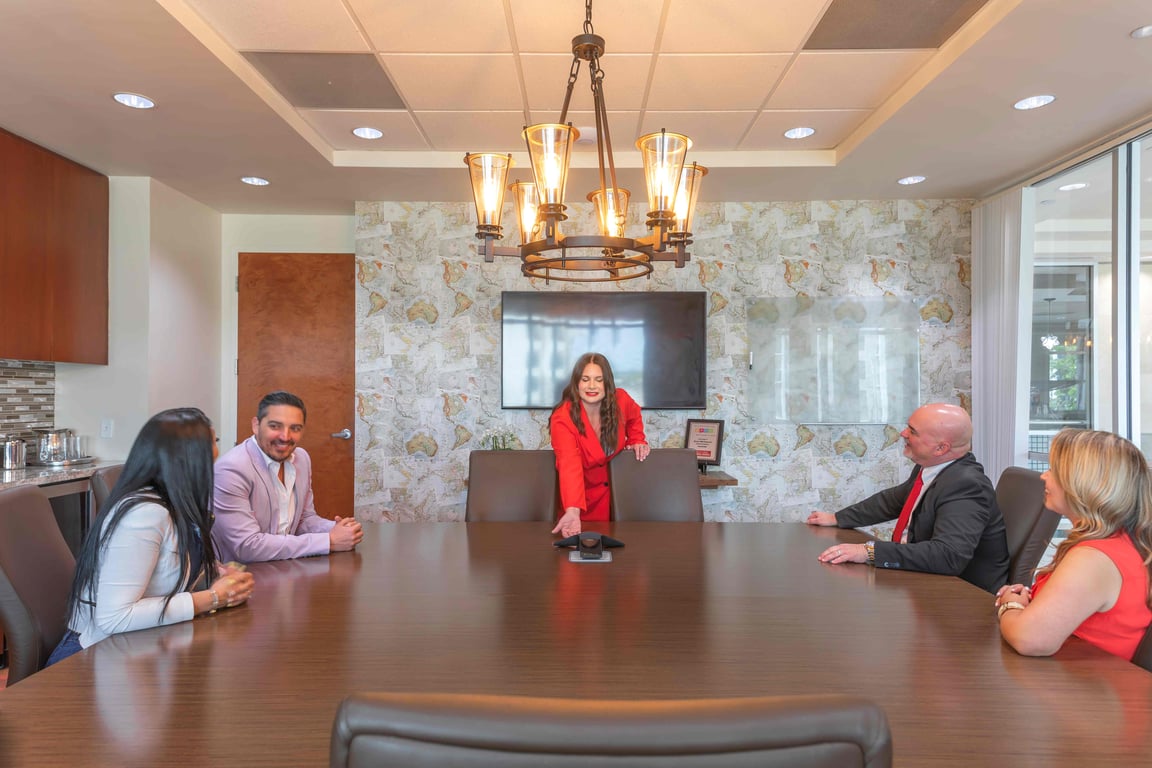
(106, 428)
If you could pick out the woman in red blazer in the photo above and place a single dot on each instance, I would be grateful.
(593, 422)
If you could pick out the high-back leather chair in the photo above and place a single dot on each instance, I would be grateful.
(512, 486)
(102, 482)
(36, 569)
(415, 730)
(1029, 525)
(665, 487)
(1143, 655)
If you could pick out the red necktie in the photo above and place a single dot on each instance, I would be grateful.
(909, 503)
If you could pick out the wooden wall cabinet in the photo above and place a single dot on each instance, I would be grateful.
(53, 256)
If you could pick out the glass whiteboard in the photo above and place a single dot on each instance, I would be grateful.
(847, 360)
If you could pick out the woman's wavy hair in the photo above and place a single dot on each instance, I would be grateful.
(1108, 488)
(170, 464)
(609, 413)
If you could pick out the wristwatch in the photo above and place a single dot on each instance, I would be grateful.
(870, 548)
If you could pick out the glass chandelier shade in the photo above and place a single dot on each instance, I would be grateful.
(611, 210)
(489, 176)
(663, 155)
(550, 148)
(527, 200)
(686, 198)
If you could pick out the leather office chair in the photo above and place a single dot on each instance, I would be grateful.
(416, 730)
(102, 482)
(512, 486)
(1029, 525)
(665, 487)
(1143, 655)
(36, 569)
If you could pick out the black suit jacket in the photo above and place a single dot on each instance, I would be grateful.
(956, 530)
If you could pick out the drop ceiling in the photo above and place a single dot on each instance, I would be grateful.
(273, 88)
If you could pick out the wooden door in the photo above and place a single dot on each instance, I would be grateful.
(297, 332)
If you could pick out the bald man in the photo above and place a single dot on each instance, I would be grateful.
(952, 524)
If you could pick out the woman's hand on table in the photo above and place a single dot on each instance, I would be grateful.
(569, 524)
(233, 588)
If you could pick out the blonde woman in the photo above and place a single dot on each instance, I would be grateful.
(1097, 586)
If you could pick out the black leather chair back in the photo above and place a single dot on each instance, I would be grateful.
(512, 486)
(1143, 655)
(36, 569)
(665, 487)
(102, 482)
(1029, 525)
(377, 730)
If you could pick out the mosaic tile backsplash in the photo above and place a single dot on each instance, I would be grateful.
(428, 336)
(27, 397)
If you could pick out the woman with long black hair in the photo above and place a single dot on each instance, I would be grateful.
(148, 560)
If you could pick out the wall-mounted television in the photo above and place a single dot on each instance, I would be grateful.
(655, 342)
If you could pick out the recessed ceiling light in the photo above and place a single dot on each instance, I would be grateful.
(1073, 187)
(134, 100)
(802, 132)
(368, 133)
(1034, 102)
(911, 180)
(1141, 32)
(255, 181)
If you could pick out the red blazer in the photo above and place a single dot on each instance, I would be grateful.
(581, 462)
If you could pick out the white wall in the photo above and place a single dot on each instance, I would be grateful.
(184, 304)
(244, 233)
(86, 394)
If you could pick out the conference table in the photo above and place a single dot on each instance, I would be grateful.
(682, 611)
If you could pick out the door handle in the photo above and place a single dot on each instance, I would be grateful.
(344, 434)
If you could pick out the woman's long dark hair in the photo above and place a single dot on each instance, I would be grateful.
(171, 464)
(609, 413)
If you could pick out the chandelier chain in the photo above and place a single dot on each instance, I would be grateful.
(588, 18)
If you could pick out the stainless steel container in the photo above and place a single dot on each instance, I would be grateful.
(13, 453)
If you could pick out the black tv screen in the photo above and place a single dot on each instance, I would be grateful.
(655, 343)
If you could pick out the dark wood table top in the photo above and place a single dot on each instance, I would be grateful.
(712, 610)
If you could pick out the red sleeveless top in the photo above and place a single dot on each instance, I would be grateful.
(1119, 629)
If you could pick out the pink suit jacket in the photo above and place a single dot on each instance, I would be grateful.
(246, 507)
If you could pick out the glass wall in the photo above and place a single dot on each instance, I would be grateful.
(1091, 345)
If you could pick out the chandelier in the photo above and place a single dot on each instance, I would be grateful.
(608, 255)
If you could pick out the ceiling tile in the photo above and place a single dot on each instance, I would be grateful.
(455, 81)
(466, 26)
(400, 131)
(548, 27)
(714, 82)
(892, 24)
(327, 80)
(845, 79)
(733, 26)
(621, 125)
(709, 131)
(273, 25)
(473, 131)
(832, 127)
(546, 79)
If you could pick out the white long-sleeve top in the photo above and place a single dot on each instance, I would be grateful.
(140, 565)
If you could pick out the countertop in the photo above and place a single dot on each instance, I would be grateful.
(12, 478)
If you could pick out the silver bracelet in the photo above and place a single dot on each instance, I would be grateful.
(215, 601)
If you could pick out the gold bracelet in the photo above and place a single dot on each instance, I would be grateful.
(1009, 606)
(870, 548)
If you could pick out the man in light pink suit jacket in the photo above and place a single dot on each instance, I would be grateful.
(263, 493)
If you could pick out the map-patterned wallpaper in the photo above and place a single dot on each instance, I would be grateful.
(428, 335)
